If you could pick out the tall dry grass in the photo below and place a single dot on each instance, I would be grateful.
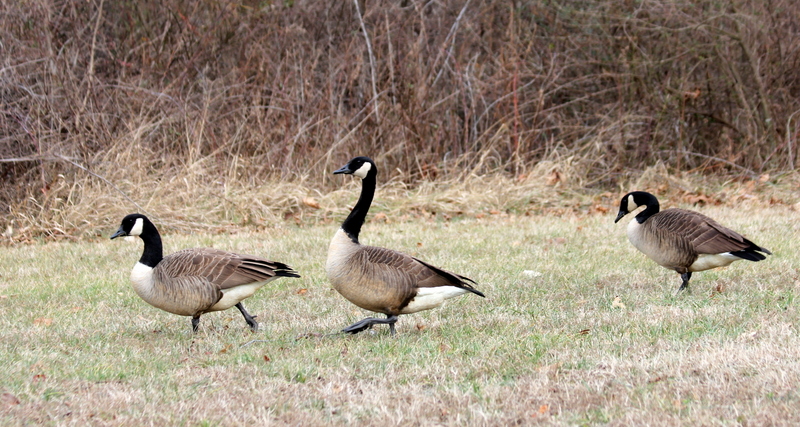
(198, 109)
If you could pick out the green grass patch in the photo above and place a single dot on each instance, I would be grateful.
(577, 328)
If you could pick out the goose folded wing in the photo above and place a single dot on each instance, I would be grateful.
(225, 269)
(413, 270)
(391, 265)
(698, 232)
(713, 238)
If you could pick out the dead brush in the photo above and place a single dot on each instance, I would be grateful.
(186, 107)
(85, 202)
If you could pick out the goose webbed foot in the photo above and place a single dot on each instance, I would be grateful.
(685, 284)
(251, 320)
(367, 323)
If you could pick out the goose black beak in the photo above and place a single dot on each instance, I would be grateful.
(119, 232)
(620, 215)
(343, 169)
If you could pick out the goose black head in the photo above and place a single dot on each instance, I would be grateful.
(633, 200)
(359, 166)
(132, 225)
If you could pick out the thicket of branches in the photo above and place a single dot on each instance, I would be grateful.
(258, 91)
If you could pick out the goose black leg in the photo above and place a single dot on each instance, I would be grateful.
(369, 321)
(251, 320)
(685, 285)
(195, 323)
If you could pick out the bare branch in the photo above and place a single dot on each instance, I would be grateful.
(141, 209)
(371, 61)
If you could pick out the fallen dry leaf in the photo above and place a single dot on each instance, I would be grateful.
(43, 321)
(311, 202)
(380, 216)
(302, 291)
(225, 349)
(691, 95)
(9, 399)
(618, 303)
(554, 178)
(696, 198)
(543, 409)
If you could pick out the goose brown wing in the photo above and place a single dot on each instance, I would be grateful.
(453, 278)
(394, 267)
(410, 270)
(224, 269)
(702, 233)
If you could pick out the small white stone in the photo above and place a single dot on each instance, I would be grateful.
(531, 273)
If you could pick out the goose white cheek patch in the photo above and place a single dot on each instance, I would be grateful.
(631, 204)
(137, 227)
(363, 170)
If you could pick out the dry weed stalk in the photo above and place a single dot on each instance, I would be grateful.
(187, 106)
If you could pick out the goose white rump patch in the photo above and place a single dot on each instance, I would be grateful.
(709, 261)
(428, 298)
(235, 295)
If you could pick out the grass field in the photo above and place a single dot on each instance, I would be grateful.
(577, 328)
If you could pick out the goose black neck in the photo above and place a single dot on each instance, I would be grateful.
(652, 208)
(352, 225)
(153, 251)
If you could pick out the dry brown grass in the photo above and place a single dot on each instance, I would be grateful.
(192, 199)
(187, 106)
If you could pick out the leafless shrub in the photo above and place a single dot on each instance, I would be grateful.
(199, 96)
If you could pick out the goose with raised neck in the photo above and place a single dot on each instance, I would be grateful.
(379, 279)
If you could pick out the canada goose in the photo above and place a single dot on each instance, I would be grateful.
(379, 279)
(196, 281)
(682, 240)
